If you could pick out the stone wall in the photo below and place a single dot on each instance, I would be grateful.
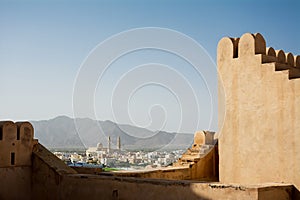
(259, 123)
(99, 187)
(15, 183)
(16, 143)
(189, 167)
(206, 169)
(47, 174)
(259, 112)
(53, 180)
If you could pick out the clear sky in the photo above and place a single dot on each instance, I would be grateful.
(44, 43)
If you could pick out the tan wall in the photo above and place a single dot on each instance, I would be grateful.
(99, 187)
(87, 170)
(268, 193)
(205, 169)
(259, 134)
(15, 170)
(172, 173)
(50, 183)
(51, 179)
(15, 183)
(17, 139)
(45, 180)
(47, 174)
(129, 188)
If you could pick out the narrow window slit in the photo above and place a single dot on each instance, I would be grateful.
(18, 134)
(12, 158)
(1, 133)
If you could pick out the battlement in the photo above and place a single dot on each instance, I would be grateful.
(259, 113)
(254, 45)
(16, 143)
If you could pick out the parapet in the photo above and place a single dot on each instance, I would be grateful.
(203, 138)
(253, 45)
(259, 115)
(16, 143)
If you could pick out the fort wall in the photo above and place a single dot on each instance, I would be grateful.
(135, 188)
(16, 143)
(48, 172)
(200, 162)
(259, 123)
(52, 180)
(259, 112)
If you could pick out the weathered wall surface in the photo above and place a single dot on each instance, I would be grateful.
(16, 143)
(133, 188)
(268, 193)
(15, 183)
(259, 112)
(47, 174)
(53, 180)
(172, 173)
(47, 177)
(204, 169)
(87, 170)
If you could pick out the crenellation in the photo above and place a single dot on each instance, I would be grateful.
(260, 44)
(251, 44)
(282, 60)
(290, 59)
(270, 51)
(246, 45)
(16, 143)
(280, 56)
(270, 55)
(26, 131)
(256, 145)
(260, 109)
(9, 130)
(226, 49)
(8, 142)
(297, 61)
(199, 138)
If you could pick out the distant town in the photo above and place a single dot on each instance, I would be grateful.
(119, 159)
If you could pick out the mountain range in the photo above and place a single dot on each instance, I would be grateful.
(66, 133)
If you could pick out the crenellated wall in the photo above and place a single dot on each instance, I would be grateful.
(16, 144)
(259, 112)
(259, 128)
(47, 177)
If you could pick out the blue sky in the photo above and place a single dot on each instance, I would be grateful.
(43, 44)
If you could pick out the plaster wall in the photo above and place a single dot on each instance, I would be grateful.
(16, 143)
(50, 183)
(47, 174)
(15, 183)
(205, 169)
(133, 188)
(259, 112)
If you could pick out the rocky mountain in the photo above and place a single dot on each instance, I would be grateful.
(68, 133)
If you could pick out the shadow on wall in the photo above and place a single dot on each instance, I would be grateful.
(54, 180)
